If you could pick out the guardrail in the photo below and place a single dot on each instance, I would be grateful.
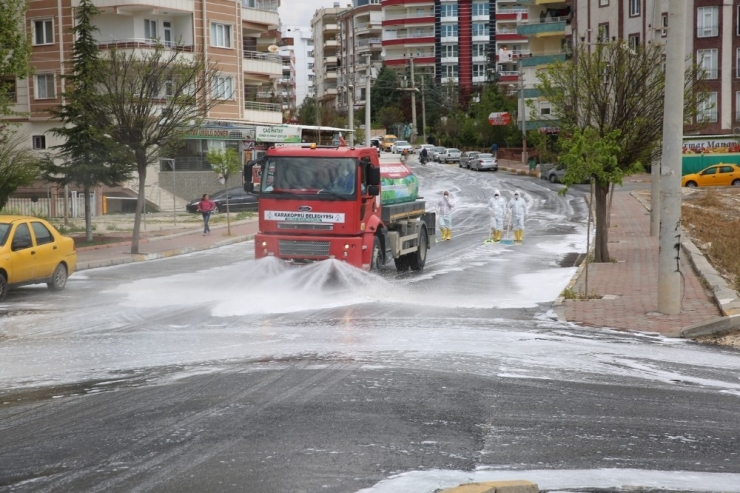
(268, 57)
(254, 105)
(268, 5)
(143, 43)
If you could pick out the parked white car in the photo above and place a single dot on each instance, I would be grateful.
(399, 145)
(428, 147)
(450, 156)
(436, 153)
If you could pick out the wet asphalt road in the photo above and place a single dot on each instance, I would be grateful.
(213, 372)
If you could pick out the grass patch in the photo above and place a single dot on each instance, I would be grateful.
(572, 294)
(569, 294)
(711, 225)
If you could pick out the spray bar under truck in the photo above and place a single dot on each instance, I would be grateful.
(317, 203)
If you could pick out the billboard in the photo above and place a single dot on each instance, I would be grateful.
(502, 118)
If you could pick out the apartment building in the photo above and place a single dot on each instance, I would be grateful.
(237, 35)
(299, 39)
(229, 32)
(325, 26)
(360, 41)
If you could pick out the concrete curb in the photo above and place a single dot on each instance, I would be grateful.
(525, 172)
(514, 486)
(717, 327)
(130, 258)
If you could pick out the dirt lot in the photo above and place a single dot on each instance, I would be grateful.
(711, 218)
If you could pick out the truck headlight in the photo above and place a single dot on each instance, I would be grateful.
(346, 246)
(264, 243)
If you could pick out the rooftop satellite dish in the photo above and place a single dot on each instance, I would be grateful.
(273, 48)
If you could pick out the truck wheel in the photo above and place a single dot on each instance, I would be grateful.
(376, 260)
(553, 178)
(419, 257)
(402, 263)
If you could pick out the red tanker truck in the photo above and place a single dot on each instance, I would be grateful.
(318, 203)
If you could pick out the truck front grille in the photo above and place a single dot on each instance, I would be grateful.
(304, 248)
(319, 226)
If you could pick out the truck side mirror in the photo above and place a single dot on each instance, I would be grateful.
(373, 190)
(373, 176)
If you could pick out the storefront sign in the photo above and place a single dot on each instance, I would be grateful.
(219, 133)
(278, 134)
(499, 118)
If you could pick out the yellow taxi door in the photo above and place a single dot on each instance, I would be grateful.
(47, 251)
(726, 175)
(709, 177)
(22, 255)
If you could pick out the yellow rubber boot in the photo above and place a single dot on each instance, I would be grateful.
(449, 233)
(498, 235)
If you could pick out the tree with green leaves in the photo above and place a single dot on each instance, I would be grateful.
(19, 165)
(616, 90)
(15, 51)
(225, 163)
(389, 116)
(150, 100)
(384, 92)
(308, 112)
(89, 156)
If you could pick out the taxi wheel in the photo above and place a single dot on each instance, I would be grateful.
(3, 287)
(691, 184)
(736, 183)
(58, 279)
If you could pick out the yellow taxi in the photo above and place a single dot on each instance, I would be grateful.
(32, 251)
(718, 175)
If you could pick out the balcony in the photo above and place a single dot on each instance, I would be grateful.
(330, 60)
(263, 112)
(331, 28)
(331, 43)
(543, 59)
(266, 64)
(551, 27)
(261, 12)
(143, 43)
(330, 75)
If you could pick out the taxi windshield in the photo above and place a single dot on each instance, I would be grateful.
(309, 175)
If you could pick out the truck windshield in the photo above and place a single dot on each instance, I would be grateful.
(309, 175)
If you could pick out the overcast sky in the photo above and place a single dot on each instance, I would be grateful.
(299, 12)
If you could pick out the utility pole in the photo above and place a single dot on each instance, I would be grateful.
(523, 112)
(351, 101)
(423, 112)
(369, 73)
(669, 254)
(413, 104)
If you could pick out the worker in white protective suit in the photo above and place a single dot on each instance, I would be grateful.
(497, 210)
(445, 205)
(518, 209)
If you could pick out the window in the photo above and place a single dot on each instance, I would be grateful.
(634, 8)
(39, 141)
(23, 234)
(450, 71)
(449, 30)
(603, 33)
(42, 233)
(220, 35)
(309, 54)
(633, 41)
(545, 109)
(310, 66)
(448, 10)
(480, 29)
(223, 88)
(167, 31)
(169, 88)
(603, 3)
(449, 51)
(45, 88)
(150, 29)
(707, 59)
(480, 8)
(43, 32)
(707, 111)
(479, 70)
(707, 22)
(480, 50)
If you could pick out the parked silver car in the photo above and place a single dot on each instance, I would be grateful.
(466, 157)
(484, 162)
(451, 155)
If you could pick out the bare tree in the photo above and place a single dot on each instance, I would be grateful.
(150, 99)
(616, 90)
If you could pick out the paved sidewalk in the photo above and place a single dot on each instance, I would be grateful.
(188, 240)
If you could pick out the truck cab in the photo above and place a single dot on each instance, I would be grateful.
(318, 203)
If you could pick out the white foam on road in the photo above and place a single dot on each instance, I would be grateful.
(624, 479)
